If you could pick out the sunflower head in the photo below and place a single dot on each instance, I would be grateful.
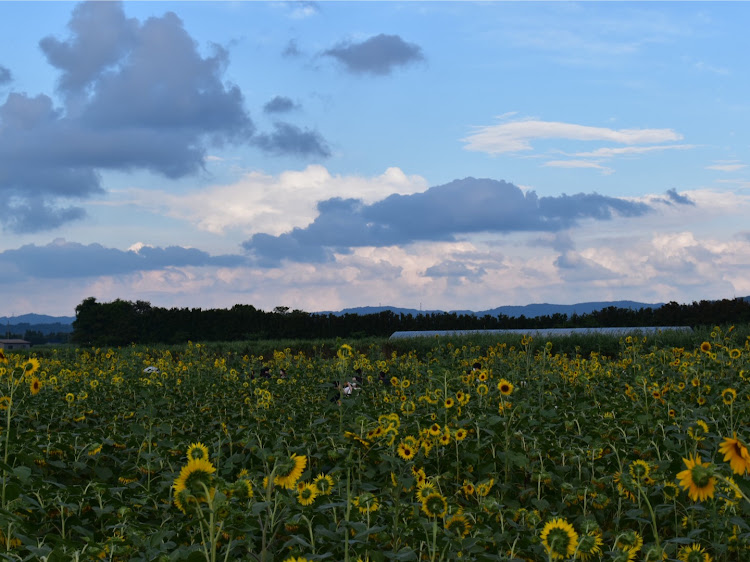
(697, 479)
(736, 453)
(307, 493)
(559, 539)
(197, 451)
(693, 553)
(35, 386)
(505, 387)
(458, 524)
(434, 505)
(323, 483)
(194, 479)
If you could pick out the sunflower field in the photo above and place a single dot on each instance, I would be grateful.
(463, 452)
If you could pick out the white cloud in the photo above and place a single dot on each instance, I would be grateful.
(261, 202)
(727, 167)
(577, 164)
(610, 152)
(516, 136)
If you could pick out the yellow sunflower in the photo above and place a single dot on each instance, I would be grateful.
(590, 547)
(424, 489)
(5, 402)
(728, 395)
(629, 541)
(197, 451)
(291, 470)
(30, 366)
(505, 387)
(434, 505)
(699, 430)
(736, 453)
(324, 484)
(559, 539)
(705, 347)
(458, 524)
(639, 470)
(460, 434)
(693, 553)
(189, 484)
(406, 451)
(307, 494)
(435, 429)
(35, 386)
(697, 479)
(366, 503)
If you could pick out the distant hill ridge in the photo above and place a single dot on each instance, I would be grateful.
(529, 310)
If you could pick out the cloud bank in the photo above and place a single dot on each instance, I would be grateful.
(441, 213)
(62, 259)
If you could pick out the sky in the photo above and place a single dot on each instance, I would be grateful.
(320, 156)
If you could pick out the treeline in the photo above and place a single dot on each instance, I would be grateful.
(123, 322)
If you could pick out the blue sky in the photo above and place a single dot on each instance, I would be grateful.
(448, 155)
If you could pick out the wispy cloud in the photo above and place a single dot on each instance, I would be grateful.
(517, 136)
(727, 166)
(577, 164)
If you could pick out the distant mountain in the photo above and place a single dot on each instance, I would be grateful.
(529, 310)
(36, 319)
(545, 309)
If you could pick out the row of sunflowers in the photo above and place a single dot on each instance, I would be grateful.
(499, 452)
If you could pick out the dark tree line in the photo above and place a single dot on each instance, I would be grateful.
(123, 322)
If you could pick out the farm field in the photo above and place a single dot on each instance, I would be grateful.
(458, 451)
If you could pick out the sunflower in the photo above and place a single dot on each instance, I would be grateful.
(484, 488)
(3, 358)
(449, 403)
(323, 483)
(736, 453)
(435, 429)
(693, 553)
(35, 386)
(468, 488)
(697, 479)
(70, 397)
(482, 389)
(197, 451)
(243, 488)
(705, 347)
(505, 387)
(434, 505)
(424, 489)
(445, 438)
(460, 434)
(590, 547)
(670, 491)
(366, 503)
(307, 494)
(189, 484)
(639, 470)
(290, 471)
(559, 539)
(728, 395)
(406, 451)
(419, 475)
(458, 524)
(629, 541)
(30, 366)
(698, 431)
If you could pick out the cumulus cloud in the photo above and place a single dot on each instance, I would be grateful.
(453, 268)
(137, 96)
(290, 139)
(516, 136)
(63, 259)
(439, 214)
(5, 76)
(251, 204)
(378, 55)
(279, 104)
